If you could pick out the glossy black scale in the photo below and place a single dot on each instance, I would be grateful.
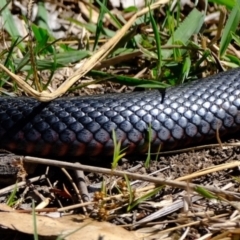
(187, 115)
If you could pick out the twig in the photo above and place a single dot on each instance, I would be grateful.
(226, 145)
(158, 181)
(20, 184)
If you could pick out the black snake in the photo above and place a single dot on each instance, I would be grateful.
(187, 115)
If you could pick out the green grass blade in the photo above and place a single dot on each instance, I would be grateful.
(118, 152)
(61, 60)
(99, 23)
(158, 43)
(231, 60)
(228, 3)
(145, 197)
(130, 9)
(191, 25)
(130, 191)
(91, 27)
(52, 70)
(129, 80)
(35, 234)
(103, 5)
(230, 27)
(8, 20)
(185, 69)
(42, 36)
(10, 51)
(42, 16)
(236, 38)
(149, 138)
(205, 193)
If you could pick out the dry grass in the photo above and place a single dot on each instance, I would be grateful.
(191, 194)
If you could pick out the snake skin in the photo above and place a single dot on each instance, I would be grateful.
(183, 116)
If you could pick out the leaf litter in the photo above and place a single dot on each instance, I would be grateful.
(171, 213)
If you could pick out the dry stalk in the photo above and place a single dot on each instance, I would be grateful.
(87, 65)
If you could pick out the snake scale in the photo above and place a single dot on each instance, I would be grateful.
(185, 115)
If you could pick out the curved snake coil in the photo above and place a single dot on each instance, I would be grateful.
(187, 115)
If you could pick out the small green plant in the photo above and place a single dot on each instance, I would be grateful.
(130, 191)
(11, 199)
(118, 152)
(144, 198)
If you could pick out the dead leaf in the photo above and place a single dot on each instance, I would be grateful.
(62, 193)
(5, 208)
(73, 227)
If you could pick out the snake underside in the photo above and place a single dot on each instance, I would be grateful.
(187, 115)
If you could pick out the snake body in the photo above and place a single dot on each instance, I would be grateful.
(185, 115)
